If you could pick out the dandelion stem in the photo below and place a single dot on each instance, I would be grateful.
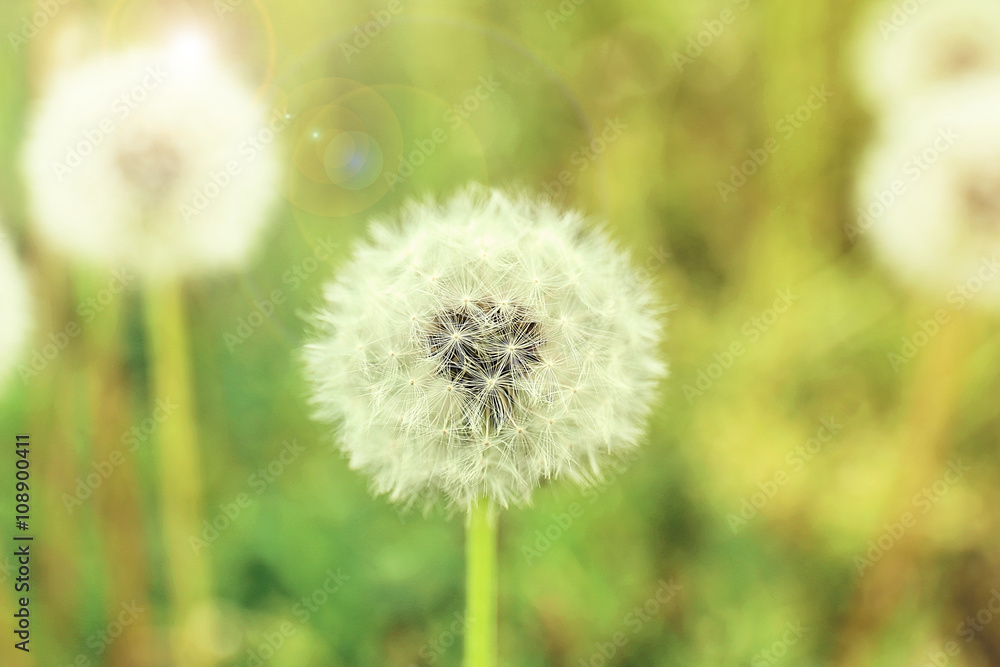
(179, 465)
(481, 586)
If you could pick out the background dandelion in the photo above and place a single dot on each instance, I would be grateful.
(150, 161)
(907, 52)
(15, 304)
(941, 154)
(167, 139)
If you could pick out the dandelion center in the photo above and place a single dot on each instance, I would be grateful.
(150, 164)
(982, 202)
(959, 58)
(483, 347)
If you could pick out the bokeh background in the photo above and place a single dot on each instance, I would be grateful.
(761, 522)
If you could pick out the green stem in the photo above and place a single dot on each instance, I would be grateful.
(179, 461)
(481, 586)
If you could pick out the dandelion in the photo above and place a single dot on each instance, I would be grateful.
(483, 346)
(162, 162)
(912, 50)
(472, 350)
(150, 160)
(15, 306)
(936, 173)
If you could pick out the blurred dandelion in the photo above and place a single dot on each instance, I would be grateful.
(140, 159)
(907, 52)
(15, 305)
(477, 348)
(940, 157)
(930, 189)
(147, 160)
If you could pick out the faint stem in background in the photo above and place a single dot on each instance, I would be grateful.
(929, 419)
(117, 502)
(188, 575)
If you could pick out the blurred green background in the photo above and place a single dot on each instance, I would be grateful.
(742, 534)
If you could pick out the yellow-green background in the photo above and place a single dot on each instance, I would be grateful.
(719, 263)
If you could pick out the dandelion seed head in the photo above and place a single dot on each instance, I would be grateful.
(911, 51)
(15, 304)
(189, 48)
(932, 179)
(497, 393)
(158, 160)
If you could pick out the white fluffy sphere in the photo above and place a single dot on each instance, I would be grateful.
(15, 304)
(912, 48)
(476, 348)
(152, 161)
(931, 190)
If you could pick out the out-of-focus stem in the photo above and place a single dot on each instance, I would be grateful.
(189, 579)
(117, 502)
(927, 434)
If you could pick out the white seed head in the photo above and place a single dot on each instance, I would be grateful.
(145, 160)
(476, 348)
(911, 48)
(931, 186)
(15, 306)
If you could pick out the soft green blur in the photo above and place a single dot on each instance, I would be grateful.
(740, 513)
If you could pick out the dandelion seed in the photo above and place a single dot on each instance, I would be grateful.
(489, 417)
